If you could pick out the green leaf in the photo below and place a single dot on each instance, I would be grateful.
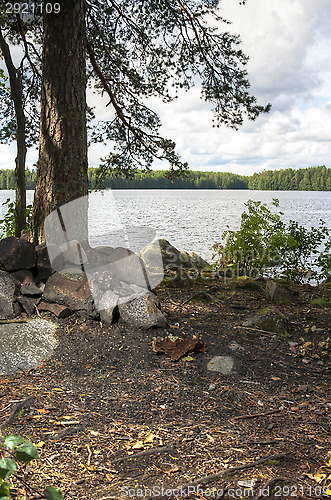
(52, 494)
(26, 452)
(4, 491)
(187, 358)
(7, 467)
(13, 440)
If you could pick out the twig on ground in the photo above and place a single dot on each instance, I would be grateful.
(17, 408)
(178, 304)
(256, 415)
(66, 432)
(211, 477)
(7, 321)
(265, 332)
(152, 451)
(89, 455)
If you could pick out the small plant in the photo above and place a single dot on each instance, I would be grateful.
(301, 250)
(7, 223)
(21, 452)
(261, 239)
(324, 262)
(264, 238)
(320, 301)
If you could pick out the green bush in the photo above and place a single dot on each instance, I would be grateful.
(264, 239)
(7, 223)
(15, 453)
(324, 262)
(260, 240)
(302, 251)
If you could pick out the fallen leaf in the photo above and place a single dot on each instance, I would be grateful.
(275, 378)
(210, 438)
(137, 445)
(149, 437)
(176, 347)
(175, 469)
(42, 410)
(328, 458)
(69, 422)
(40, 444)
(95, 433)
(319, 478)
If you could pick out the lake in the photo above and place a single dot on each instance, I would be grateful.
(189, 219)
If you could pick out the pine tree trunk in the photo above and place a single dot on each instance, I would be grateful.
(17, 96)
(62, 163)
(20, 187)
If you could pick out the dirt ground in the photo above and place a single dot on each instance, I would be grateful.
(112, 419)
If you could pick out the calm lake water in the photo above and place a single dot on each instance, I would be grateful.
(189, 219)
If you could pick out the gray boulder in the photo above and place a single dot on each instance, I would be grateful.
(73, 253)
(143, 312)
(26, 345)
(44, 267)
(8, 291)
(25, 277)
(197, 261)
(31, 291)
(71, 290)
(28, 304)
(129, 267)
(160, 256)
(17, 254)
(279, 293)
(108, 308)
(270, 320)
(160, 253)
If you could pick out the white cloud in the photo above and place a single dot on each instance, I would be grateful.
(289, 45)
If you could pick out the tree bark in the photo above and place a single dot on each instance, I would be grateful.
(17, 96)
(62, 164)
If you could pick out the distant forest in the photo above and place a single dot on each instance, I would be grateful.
(305, 179)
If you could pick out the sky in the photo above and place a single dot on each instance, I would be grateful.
(288, 44)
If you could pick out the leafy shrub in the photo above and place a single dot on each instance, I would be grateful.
(7, 223)
(324, 262)
(260, 240)
(303, 247)
(264, 239)
(21, 453)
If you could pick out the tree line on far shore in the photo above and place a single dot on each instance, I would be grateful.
(305, 179)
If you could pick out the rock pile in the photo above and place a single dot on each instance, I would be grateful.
(103, 282)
